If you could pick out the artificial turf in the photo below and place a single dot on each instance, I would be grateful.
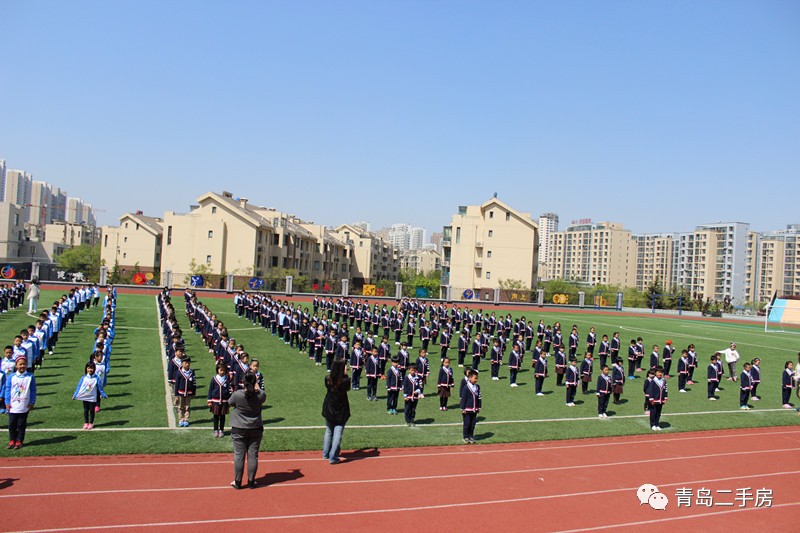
(295, 388)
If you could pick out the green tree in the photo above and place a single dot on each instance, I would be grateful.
(84, 259)
(513, 285)
(654, 293)
(196, 269)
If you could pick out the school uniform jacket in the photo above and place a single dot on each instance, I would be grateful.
(788, 379)
(713, 373)
(356, 359)
(411, 386)
(604, 349)
(591, 340)
(744, 381)
(572, 375)
(372, 366)
(384, 352)
(540, 368)
(615, 346)
(666, 354)
(683, 366)
(657, 393)
(423, 367)
(497, 355)
(393, 377)
(404, 359)
(87, 388)
(618, 375)
(755, 375)
(561, 360)
(185, 383)
(603, 384)
(654, 359)
(515, 360)
(476, 349)
(471, 400)
(446, 377)
(586, 368)
(219, 389)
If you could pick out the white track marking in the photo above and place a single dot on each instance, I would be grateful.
(396, 509)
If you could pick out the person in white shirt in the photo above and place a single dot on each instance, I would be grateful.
(731, 356)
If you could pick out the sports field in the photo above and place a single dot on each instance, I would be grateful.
(135, 417)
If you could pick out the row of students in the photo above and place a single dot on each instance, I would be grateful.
(12, 294)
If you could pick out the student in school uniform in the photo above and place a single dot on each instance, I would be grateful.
(463, 344)
(356, 366)
(384, 355)
(412, 393)
(528, 335)
(617, 381)
(639, 353)
(445, 383)
(683, 371)
(425, 336)
(646, 390)
(477, 351)
(411, 331)
(713, 378)
(745, 386)
(330, 348)
(603, 392)
(586, 372)
(423, 368)
(514, 364)
(539, 373)
(540, 331)
(654, 357)
(573, 342)
(614, 346)
(405, 359)
(658, 396)
(632, 359)
(591, 340)
(604, 351)
(693, 364)
(666, 358)
(394, 383)
(471, 403)
(547, 341)
(755, 379)
(571, 379)
(372, 368)
(184, 391)
(787, 384)
(87, 391)
(561, 365)
(496, 360)
(444, 343)
(19, 395)
(219, 392)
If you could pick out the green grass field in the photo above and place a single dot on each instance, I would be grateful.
(134, 418)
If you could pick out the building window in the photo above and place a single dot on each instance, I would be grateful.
(105, 240)
(489, 253)
(124, 255)
(124, 239)
(344, 268)
(316, 265)
(274, 260)
(360, 244)
(491, 214)
(137, 226)
(508, 217)
(210, 234)
(458, 235)
(276, 240)
(213, 209)
(490, 233)
(16, 219)
(208, 259)
(488, 275)
(169, 235)
(126, 225)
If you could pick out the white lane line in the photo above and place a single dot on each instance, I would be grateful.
(667, 416)
(419, 508)
(168, 393)
(462, 451)
(409, 478)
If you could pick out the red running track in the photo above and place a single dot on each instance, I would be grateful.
(579, 485)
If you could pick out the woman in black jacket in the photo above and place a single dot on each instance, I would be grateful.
(335, 410)
(247, 428)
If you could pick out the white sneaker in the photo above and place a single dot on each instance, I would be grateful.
(600, 415)
(654, 428)
(716, 390)
(495, 379)
(682, 390)
(514, 385)
(712, 399)
(658, 428)
(539, 394)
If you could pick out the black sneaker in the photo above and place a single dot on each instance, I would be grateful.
(252, 484)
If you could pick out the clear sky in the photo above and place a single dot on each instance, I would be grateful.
(658, 115)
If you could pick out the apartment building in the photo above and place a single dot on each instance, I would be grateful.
(548, 224)
(373, 257)
(654, 260)
(711, 261)
(594, 253)
(775, 266)
(421, 261)
(487, 243)
(136, 241)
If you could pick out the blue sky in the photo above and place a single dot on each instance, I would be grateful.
(658, 115)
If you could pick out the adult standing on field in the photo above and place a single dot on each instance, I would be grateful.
(33, 296)
(335, 410)
(731, 356)
(247, 429)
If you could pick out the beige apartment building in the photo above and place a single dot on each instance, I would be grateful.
(711, 261)
(137, 240)
(422, 261)
(373, 258)
(487, 243)
(70, 234)
(12, 235)
(776, 264)
(654, 260)
(594, 253)
(232, 236)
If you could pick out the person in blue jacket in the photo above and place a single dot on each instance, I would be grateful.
(89, 388)
(20, 397)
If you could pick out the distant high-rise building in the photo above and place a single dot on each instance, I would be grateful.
(41, 204)
(400, 236)
(712, 261)
(594, 253)
(548, 223)
(417, 238)
(654, 260)
(366, 226)
(436, 241)
(775, 264)
(2, 180)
